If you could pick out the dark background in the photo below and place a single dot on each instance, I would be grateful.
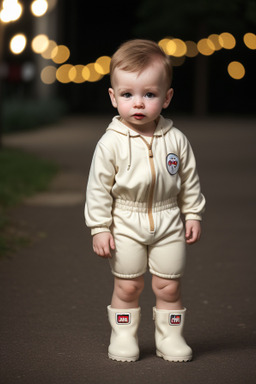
(92, 29)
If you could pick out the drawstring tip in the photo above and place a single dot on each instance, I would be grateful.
(128, 167)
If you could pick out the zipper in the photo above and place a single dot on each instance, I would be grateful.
(152, 187)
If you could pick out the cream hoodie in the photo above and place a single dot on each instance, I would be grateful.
(132, 169)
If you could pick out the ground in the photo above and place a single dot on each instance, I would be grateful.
(54, 292)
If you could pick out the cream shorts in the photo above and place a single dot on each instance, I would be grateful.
(163, 251)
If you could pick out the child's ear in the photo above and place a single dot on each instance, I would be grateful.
(112, 97)
(168, 97)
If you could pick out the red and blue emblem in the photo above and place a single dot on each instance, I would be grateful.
(175, 319)
(172, 163)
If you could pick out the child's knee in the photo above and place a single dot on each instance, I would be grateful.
(129, 289)
(167, 290)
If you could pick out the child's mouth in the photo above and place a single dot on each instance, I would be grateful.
(138, 116)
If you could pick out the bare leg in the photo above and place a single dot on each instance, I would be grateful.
(127, 292)
(167, 293)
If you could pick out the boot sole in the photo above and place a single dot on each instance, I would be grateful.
(176, 359)
(123, 358)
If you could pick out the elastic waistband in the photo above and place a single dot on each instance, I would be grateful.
(137, 206)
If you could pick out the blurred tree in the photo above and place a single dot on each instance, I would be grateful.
(193, 20)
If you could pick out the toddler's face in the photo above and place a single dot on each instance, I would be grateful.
(140, 97)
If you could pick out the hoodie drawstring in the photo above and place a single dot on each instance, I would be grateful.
(129, 151)
(165, 145)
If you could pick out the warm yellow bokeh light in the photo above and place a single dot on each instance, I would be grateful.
(205, 47)
(250, 40)
(11, 11)
(102, 65)
(86, 73)
(92, 72)
(62, 73)
(60, 54)
(192, 50)
(18, 44)
(93, 75)
(75, 74)
(176, 47)
(39, 7)
(236, 70)
(48, 74)
(47, 54)
(40, 43)
(215, 41)
(163, 44)
(227, 40)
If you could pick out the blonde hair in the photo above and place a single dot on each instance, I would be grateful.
(137, 54)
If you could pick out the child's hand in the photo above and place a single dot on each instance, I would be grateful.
(193, 231)
(103, 242)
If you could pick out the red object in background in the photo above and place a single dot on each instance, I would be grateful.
(14, 73)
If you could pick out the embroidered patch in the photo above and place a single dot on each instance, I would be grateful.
(175, 320)
(172, 163)
(123, 318)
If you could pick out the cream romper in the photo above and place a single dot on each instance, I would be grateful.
(137, 189)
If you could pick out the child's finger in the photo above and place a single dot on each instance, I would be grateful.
(112, 243)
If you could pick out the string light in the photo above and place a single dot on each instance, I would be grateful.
(250, 40)
(39, 7)
(227, 40)
(18, 43)
(236, 70)
(92, 72)
(11, 11)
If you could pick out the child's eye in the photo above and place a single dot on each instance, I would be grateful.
(150, 95)
(126, 95)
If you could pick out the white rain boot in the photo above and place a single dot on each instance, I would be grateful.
(124, 341)
(170, 343)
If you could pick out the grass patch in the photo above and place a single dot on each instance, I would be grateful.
(21, 175)
(25, 114)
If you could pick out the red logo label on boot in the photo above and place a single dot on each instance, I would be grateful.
(175, 320)
(123, 318)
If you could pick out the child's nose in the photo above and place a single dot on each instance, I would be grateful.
(138, 102)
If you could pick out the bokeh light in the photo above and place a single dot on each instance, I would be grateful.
(75, 74)
(236, 70)
(102, 65)
(40, 43)
(47, 54)
(192, 50)
(93, 74)
(60, 54)
(39, 7)
(176, 47)
(163, 44)
(48, 74)
(28, 71)
(250, 40)
(18, 43)
(11, 11)
(215, 41)
(62, 73)
(227, 40)
(205, 47)
(86, 73)
(95, 71)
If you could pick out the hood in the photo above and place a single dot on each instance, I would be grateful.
(163, 126)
